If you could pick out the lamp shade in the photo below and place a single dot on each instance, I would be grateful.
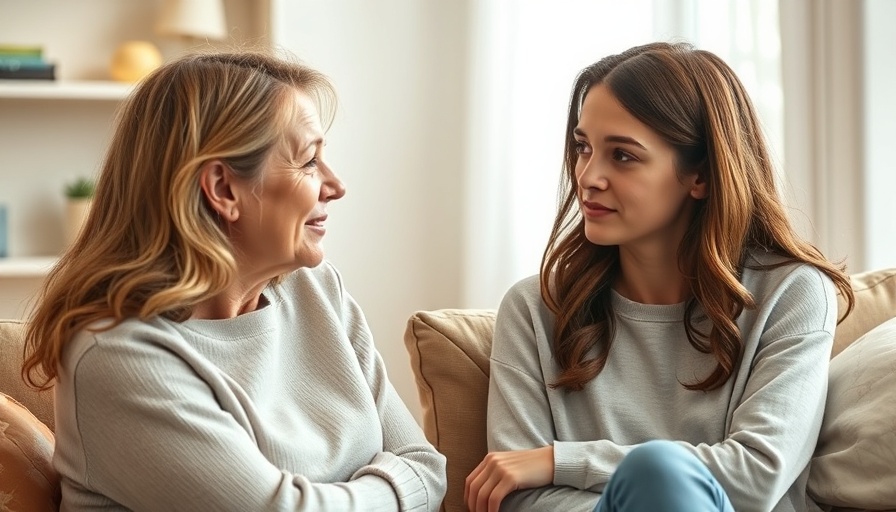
(201, 19)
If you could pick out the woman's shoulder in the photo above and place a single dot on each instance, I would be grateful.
(111, 332)
(766, 274)
(523, 304)
(324, 279)
(120, 343)
(524, 291)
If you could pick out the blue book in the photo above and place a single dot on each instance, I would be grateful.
(43, 71)
(7, 62)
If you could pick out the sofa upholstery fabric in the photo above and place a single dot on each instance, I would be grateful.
(27, 478)
(855, 461)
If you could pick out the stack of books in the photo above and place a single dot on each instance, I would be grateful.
(25, 62)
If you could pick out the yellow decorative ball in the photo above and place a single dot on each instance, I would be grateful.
(133, 60)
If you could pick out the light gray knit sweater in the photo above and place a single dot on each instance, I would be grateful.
(756, 433)
(285, 408)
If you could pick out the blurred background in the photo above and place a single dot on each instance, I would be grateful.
(450, 125)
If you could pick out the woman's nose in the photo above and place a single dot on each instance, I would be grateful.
(593, 175)
(333, 187)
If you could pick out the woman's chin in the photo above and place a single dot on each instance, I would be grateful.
(600, 239)
(310, 259)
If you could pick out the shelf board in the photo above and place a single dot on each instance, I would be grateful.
(33, 266)
(64, 89)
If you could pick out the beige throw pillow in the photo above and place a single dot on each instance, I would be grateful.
(27, 478)
(855, 460)
(449, 351)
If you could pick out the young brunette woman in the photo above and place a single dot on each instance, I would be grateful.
(673, 352)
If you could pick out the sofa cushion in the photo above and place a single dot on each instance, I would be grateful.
(27, 478)
(12, 340)
(449, 352)
(855, 461)
(875, 293)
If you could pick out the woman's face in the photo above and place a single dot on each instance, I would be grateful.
(630, 194)
(282, 222)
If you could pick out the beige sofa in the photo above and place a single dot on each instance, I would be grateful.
(449, 352)
(854, 467)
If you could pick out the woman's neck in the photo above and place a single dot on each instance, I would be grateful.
(651, 278)
(231, 303)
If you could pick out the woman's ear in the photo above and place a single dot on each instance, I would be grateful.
(217, 183)
(699, 188)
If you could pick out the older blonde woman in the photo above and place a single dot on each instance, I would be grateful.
(204, 355)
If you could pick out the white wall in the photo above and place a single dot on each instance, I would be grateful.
(880, 132)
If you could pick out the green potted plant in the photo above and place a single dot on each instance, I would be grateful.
(81, 188)
(78, 194)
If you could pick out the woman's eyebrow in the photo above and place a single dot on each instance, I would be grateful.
(621, 139)
(624, 140)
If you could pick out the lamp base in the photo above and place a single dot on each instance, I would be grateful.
(133, 60)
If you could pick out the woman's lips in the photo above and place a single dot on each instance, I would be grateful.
(594, 209)
(317, 224)
(318, 220)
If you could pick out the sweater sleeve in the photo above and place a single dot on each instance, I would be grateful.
(158, 440)
(774, 424)
(411, 465)
(519, 414)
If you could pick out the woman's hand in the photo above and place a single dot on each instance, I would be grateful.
(501, 473)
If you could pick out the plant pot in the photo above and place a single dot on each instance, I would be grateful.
(75, 215)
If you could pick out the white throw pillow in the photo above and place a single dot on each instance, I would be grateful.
(855, 460)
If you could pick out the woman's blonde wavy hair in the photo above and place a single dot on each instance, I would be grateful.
(696, 103)
(151, 245)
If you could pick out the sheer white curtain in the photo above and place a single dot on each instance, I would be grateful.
(823, 81)
(524, 57)
(743, 33)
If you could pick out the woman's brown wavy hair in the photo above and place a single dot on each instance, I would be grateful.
(151, 245)
(696, 103)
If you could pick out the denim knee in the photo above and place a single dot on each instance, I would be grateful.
(659, 458)
(662, 475)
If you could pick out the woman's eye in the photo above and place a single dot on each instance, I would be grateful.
(582, 148)
(621, 156)
(309, 167)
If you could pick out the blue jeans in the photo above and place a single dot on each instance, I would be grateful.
(661, 475)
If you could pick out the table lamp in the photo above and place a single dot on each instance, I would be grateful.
(196, 19)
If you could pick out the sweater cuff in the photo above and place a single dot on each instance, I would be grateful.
(407, 486)
(573, 468)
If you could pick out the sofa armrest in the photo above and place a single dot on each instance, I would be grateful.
(12, 342)
(449, 351)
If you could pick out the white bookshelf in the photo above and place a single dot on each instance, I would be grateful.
(26, 267)
(64, 89)
(53, 131)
